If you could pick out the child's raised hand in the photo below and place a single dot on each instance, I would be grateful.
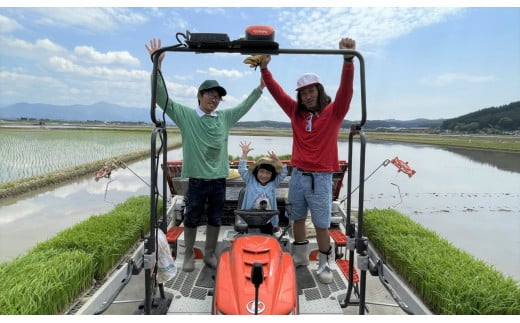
(272, 155)
(245, 147)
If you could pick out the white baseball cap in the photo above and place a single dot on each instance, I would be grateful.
(306, 80)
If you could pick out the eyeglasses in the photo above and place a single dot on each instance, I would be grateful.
(213, 97)
(308, 127)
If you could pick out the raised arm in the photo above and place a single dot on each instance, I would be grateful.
(245, 149)
(155, 44)
(347, 43)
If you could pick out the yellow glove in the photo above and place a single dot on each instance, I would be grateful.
(254, 60)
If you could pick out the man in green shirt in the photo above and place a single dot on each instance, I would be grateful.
(205, 133)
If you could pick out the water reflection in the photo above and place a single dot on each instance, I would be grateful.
(469, 197)
(36, 218)
(501, 160)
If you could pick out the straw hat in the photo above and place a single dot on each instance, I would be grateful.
(267, 160)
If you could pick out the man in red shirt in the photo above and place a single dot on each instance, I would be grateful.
(316, 121)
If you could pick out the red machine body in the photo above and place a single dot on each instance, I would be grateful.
(234, 290)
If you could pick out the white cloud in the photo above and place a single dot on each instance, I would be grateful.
(185, 94)
(450, 78)
(10, 76)
(15, 86)
(90, 18)
(21, 48)
(62, 64)
(7, 24)
(323, 27)
(87, 54)
(47, 45)
(214, 72)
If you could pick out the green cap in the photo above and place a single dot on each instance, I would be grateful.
(212, 84)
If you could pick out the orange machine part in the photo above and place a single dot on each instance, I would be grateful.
(234, 291)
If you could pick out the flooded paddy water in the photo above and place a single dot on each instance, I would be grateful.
(469, 197)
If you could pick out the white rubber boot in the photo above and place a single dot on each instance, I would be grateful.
(300, 253)
(210, 258)
(324, 272)
(189, 240)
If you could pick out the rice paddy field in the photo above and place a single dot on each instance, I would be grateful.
(28, 152)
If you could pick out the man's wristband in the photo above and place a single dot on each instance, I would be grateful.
(350, 59)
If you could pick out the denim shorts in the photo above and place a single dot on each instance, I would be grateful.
(311, 191)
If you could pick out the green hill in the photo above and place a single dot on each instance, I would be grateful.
(492, 120)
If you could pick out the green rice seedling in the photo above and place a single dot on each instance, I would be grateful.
(44, 282)
(55, 272)
(32, 152)
(448, 279)
(108, 237)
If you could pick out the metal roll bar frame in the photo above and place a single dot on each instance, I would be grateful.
(159, 131)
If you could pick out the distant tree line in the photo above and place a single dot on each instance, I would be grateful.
(492, 120)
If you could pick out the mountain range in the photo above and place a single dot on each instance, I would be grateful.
(101, 111)
(108, 112)
(489, 120)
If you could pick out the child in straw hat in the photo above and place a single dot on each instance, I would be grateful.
(261, 179)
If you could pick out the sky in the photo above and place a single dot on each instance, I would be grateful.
(432, 62)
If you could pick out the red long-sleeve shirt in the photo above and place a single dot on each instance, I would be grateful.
(316, 150)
